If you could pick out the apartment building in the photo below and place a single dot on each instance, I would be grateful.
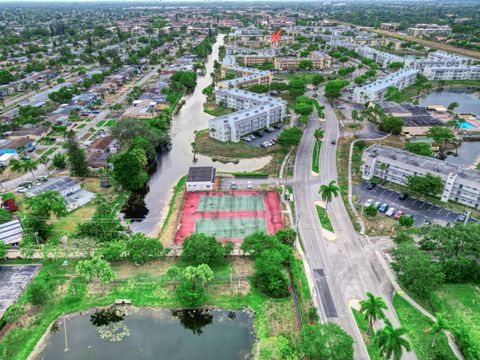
(248, 77)
(461, 184)
(255, 112)
(429, 29)
(376, 90)
(319, 60)
(452, 73)
(389, 26)
(248, 60)
(438, 59)
(380, 57)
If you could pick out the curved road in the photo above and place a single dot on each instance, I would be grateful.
(350, 266)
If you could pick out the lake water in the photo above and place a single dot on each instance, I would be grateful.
(468, 101)
(144, 334)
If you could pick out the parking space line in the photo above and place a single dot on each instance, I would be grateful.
(448, 214)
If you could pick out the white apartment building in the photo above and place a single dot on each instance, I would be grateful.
(380, 57)
(255, 112)
(452, 73)
(248, 76)
(461, 184)
(429, 29)
(376, 90)
(438, 59)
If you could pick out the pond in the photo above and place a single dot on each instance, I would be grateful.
(140, 333)
(468, 101)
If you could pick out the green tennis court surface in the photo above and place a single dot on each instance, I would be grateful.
(231, 228)
(230, 203)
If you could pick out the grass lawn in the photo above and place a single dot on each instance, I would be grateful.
(416, 323)
(324, 220)
(211, 147)
(362, 324)
(216, 110)
(72, 294)
(460, 303)
(316, 157)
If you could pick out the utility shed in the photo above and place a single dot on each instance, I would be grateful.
(201, 178)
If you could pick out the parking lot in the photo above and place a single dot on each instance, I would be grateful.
(420, 210)
(13, 280)
(249, 182)
(265, 137)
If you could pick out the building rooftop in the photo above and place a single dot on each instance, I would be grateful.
(424, 162)
(11, 232)
(201, 173)
(59, 184)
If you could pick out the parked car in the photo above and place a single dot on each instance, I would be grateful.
(233, 185)
(390, 211)
(461, 217)
(269, 130)
(333, 142)
(253, 137)
(427, 222)
(398, 214)
(371, 186)
(249, 185)
(403, 196)
(42, 178)
(377, 204)
(247, 139)
(383, 208)
(25, 158)
(368, 202)
(21, 189)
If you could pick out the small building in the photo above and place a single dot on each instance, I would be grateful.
(201, 178)
(11, 232)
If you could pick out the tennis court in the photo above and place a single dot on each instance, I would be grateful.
(231, 215)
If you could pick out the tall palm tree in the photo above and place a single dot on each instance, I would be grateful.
(328, 192)
(384, 167)
(44, 161)
(15, 165)
(30, 165)
(391, 342)
(372, 309)
(439, 326)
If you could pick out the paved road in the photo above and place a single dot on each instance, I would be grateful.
(346, 268)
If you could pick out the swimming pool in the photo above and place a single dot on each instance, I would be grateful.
(465, 125)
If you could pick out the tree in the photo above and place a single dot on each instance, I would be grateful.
(372, 309)
(416, 270)
(286, 236)
(441, 135)
(438, 327)
(427, 184)
(391, 342)
(6, 77)
(355, 115)
(59, 161)
(153, 130)
(141, 249)
(420, 148)
(384, 167)
(191, 291)
(296, 87)
(326, 342)
(76, 156)
(305, 64)
(95, 269)
(129, 169)
(38, 293)
(269, 277)
(333, 88)
(30, 165)
(319, 134)
(202, 249)
(41, 207)
(14, 313)
(290, 136)
(303, 108)
(328, 192)
(452, 106)
(15, 165)
(173, 273)
(317, 79)
(396, 65)
(391, 124)
(406, 221)
(371, 210)
(258, 242)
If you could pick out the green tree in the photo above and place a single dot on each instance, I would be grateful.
(305, 64)
(129, 169)
(141, 249)
(173, 273)
(427, 184)
(396, 65)
(416, 271)
(420, 148)
(6, 77)
(269, 277)
(202, 249)
(191, 291)
(290, 137)
(95, 269)
(391, 124)
(317, 79)
(59, 161)
(326, 342)
(328, 192)
(442, 136)
(391, 342)
(372, 309)
(303, 108)
(76, 156)
(406, 221)
(333, 88)
(438, 327)
(30, 165)
(452, 106)
(38, 293)
(371, 211)
(286, 236)
(296, 87)
(14, 313)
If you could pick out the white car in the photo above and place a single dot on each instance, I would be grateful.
(390, 211)
(247, 139)
(21, 190)
(253, 137)
(368, 203)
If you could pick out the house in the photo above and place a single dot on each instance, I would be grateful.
(99, 151)
(6, 157)
(69, 188)
(31, 133)
(17, 145)
(201, 178)
(141, 109)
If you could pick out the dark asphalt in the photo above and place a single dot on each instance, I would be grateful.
(13, 280)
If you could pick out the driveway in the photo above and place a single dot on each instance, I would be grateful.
(266, 137)
(419, 209)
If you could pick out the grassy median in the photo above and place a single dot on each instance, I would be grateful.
(324, 218)
(316, 157)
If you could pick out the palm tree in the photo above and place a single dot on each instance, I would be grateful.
(328, 192)
(318, 134)
(391, 342)
(30, 165)
(372, 309)
(15, 165)
(384, 168)
(439, 326)
(44, 161)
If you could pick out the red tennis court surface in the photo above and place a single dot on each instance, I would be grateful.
(230, 216)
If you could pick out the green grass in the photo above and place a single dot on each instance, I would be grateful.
(416, 323)
(252, 174)
(217, 110)
(324, 220)
(176, 190)
(50, 151)
(460, 305)
(362, 324)
(316, 157)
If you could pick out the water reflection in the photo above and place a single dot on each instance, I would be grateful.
(135, 207)
(109, 323)
(194, 319)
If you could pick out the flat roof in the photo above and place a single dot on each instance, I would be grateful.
(201, 174)
(59, 184)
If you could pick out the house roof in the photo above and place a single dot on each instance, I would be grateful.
(11, 232)
(201, 173)
(59, 184)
